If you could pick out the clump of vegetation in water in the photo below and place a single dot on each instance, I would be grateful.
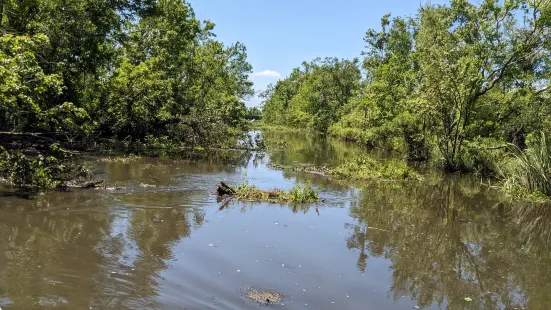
(300, 193)
(120, 159)
(528, 174)
(41, 171)
(368, 168)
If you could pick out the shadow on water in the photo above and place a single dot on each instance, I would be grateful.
(162, 241)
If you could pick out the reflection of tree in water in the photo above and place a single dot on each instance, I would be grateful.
(42, 243)
(294, 207)
(69, 250)
(447, 242)
(308, 148)
(154, 231)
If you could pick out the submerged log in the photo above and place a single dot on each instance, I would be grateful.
(224, 190)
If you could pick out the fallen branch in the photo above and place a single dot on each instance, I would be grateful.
(224, 190)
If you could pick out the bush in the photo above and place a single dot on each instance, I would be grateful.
(42, 170)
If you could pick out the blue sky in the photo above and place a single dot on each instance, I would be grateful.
(280, 34)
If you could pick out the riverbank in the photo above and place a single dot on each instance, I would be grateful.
(520, 173)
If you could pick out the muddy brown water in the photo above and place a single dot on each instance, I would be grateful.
(161, 241)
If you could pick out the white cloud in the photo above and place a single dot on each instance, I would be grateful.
(267, 73)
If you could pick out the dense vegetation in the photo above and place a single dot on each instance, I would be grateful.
(139, 71)
(461, 84)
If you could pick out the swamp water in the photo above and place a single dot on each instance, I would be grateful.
(161, 242)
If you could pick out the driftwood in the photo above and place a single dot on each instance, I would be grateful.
(224, 190)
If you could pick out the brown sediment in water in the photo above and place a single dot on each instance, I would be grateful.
(264, 296)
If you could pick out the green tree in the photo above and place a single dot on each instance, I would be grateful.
(465, 51)
(313, 96)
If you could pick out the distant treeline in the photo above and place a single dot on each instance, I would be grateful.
(461, 84)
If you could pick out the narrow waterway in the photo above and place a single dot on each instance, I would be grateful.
(159, 240)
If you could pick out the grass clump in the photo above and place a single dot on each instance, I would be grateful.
(300, 193)
(120, 159)
(528, 174)
(368, 168)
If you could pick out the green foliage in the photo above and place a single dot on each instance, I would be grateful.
(368, 168)
(303, 193)
(466, 51)
(41, 171)
(253, 112)
(452, 84)
(528, 174)
(482, 157)
(313, 95)
(25, 89)
(102, 70)
(128, 69)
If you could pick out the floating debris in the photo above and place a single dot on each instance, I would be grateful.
(264, 297)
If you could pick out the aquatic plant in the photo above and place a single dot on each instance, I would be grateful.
(528, 174)
(300, 193)
(304, 193)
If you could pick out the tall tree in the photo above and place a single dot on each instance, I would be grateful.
(465, 51)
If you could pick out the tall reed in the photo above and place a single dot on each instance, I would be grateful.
(529, 173)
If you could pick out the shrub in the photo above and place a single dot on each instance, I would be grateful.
(41, 171)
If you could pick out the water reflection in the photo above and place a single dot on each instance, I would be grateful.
(451, 244)
(308, 148)
(74, 250)
(446, 242)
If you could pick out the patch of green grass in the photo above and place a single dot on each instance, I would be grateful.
(300, 193)
(368, 168)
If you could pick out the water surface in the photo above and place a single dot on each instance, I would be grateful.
(161, 242)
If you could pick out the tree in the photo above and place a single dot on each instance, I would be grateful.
(466, 51)
(313, 96)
